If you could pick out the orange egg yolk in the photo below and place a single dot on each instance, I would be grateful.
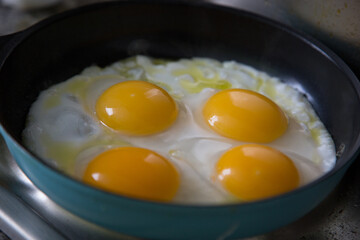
(134, 172)
(136, 108)
(245, 115)
(253, 172)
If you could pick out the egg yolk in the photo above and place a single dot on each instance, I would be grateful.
(245, 115)
(134, 172)
(253, 172)
(136, 108)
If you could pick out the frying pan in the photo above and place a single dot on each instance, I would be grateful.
(61, 46)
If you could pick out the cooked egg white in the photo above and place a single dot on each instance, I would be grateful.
(64, 128)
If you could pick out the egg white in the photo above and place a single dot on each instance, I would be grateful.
(62, 126)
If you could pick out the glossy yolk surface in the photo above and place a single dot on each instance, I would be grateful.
(245, 115)
(136, 108)
(134, 172)
(253, 171)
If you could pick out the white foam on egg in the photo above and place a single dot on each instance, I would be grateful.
(66, 122)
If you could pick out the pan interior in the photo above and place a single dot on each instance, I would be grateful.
(62, 46)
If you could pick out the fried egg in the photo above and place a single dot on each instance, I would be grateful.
(195, 131)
